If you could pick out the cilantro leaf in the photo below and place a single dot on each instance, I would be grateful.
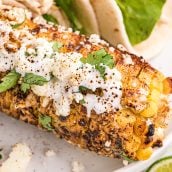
(56, 46)
(32, 79)
(83, 88)
(82, 101)
(25, 87)
(9, 81)
(140, 17)
(50, 18)
(45, 121)
(98, 59)
(125, 157)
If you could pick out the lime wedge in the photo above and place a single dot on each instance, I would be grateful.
(161, 165)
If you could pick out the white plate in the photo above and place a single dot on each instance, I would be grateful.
(13, 131)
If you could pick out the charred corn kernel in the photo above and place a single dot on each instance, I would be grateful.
(140, 126)
(156, 84)
(125, 117)
(154, 96)
(151, 110)
(167, 86)
(146, 75)
(109, 133)
(146, 142)
(144, 154)
(134, 143)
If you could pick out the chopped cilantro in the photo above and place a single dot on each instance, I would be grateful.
(98, 59)
(27, 54)
(83, 89)
(82, 101)
(9, 81)
(140, 17)
(125, 157)
(32, 79)
(50, 18)
(56, 46)
(45, 121)
(25, 87)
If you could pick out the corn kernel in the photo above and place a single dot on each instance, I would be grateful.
(144, 154)
(151, 110)
(140, 126)
(156, 84)
(167, 83)
(154, 96)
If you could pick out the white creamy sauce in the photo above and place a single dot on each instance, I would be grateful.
(71, 74)
(35, 59)
(6, 58)
(36, 55)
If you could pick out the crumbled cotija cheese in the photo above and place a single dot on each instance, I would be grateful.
(18, 159)
(127, 59)
(77, 166)
(50, 153)
(95, 39)
(125, 162)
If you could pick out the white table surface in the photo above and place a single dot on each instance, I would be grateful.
(13, 131)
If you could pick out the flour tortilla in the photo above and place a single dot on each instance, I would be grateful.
(84, 12)
(86, 15)
(59, 15)
(112, 28)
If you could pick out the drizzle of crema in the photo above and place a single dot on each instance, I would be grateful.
(37, 56)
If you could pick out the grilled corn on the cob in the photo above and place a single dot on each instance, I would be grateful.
(132, 122)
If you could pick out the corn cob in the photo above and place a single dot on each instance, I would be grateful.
(131, 131)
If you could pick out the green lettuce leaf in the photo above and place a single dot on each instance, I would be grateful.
(68, 8)
(140, 17)
(56, 46)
